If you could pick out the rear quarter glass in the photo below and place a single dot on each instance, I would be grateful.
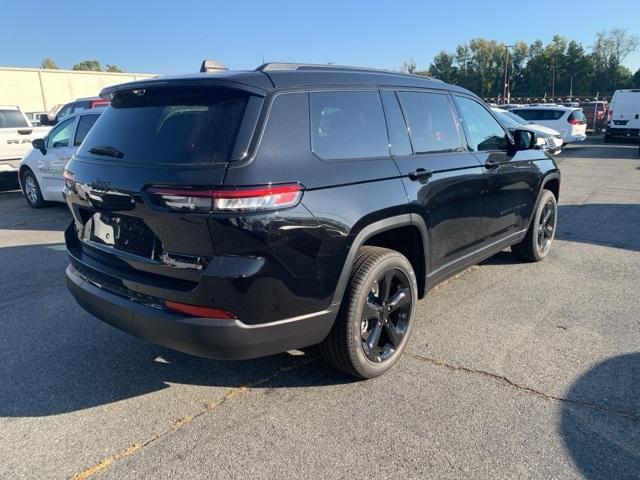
(170, 126)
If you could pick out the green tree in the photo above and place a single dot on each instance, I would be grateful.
(635, 81)
(90, 65)
(112, 68)
(611, 48)
(442, 67)
(49, 63)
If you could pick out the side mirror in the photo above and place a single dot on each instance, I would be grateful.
(40, 145)
(524, 140)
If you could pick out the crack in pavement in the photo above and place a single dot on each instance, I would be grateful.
(505, 381)
(180, 423)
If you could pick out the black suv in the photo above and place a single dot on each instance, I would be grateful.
(238, 214)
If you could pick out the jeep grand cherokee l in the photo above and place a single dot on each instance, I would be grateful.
(236, 214)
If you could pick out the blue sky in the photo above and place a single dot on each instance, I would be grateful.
(174, 36)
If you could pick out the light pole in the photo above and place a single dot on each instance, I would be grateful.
(505, 90)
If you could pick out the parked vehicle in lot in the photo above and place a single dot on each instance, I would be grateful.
(569, 122)
(72, 107)
(551, 140)
(239, 214)
(40, 171)
(596, 115)
(16, 135)
(624, 115)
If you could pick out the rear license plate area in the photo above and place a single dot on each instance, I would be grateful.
(128, 234)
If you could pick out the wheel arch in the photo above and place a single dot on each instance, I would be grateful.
(21, 171)
(387, 233)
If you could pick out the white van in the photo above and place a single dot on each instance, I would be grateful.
(624, 115)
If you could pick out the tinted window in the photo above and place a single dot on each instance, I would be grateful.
(84, 125)
(545, 114)
(170, 125)
(577, 115)
(66, 110)
(398, 134)
(12, 119)
(524, 114)
(506, 121)
(431, 123)
(516, 118)
(348, 125)
(60, 136)
(483, 131)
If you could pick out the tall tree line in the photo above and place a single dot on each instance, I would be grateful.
(558, 68)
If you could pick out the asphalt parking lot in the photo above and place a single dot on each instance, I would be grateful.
(514, 370)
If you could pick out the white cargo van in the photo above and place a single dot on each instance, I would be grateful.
(624, 115)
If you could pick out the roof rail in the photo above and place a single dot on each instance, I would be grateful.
(280, 66)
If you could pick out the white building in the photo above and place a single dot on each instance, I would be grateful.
(40, 90)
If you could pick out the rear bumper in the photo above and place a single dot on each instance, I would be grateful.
(11, 165)
(576, 137)
(623, 132)
(203, 337)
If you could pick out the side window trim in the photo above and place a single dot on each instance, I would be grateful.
(464, 125)
(387, 114)
(464, 147)
(310, 92)
(50, 136)
(77, 127)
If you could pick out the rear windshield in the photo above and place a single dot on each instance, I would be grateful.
(12, 119)
(577, 115)
(168, 126)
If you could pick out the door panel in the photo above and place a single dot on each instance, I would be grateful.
(509, 195)
(450, 202)
(445, 185)
(510, 177)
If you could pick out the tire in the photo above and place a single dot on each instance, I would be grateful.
(366, 312)
(31, 190)
(537, 242)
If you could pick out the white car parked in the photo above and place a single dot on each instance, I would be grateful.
(568, 121)
(552, 139)
(41, 169)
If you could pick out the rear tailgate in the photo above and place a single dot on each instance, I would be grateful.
(126, 238)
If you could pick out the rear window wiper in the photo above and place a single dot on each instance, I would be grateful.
(106, 151)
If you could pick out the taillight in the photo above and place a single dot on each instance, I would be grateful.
(241, 199)
(573, 121)
(199, 310)
(98, 103)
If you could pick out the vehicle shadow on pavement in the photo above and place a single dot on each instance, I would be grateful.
(600, 422)
(56, 358)
(610, 224)
(618, 226)
(9, 181)
(17, 215)
(602, 151)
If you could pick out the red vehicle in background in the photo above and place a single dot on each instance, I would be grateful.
(596, 114)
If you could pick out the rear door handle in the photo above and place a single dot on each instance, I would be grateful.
(420, 174)
(491, 164)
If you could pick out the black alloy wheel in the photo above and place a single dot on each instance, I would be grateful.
(546, 226)
(385, 315)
